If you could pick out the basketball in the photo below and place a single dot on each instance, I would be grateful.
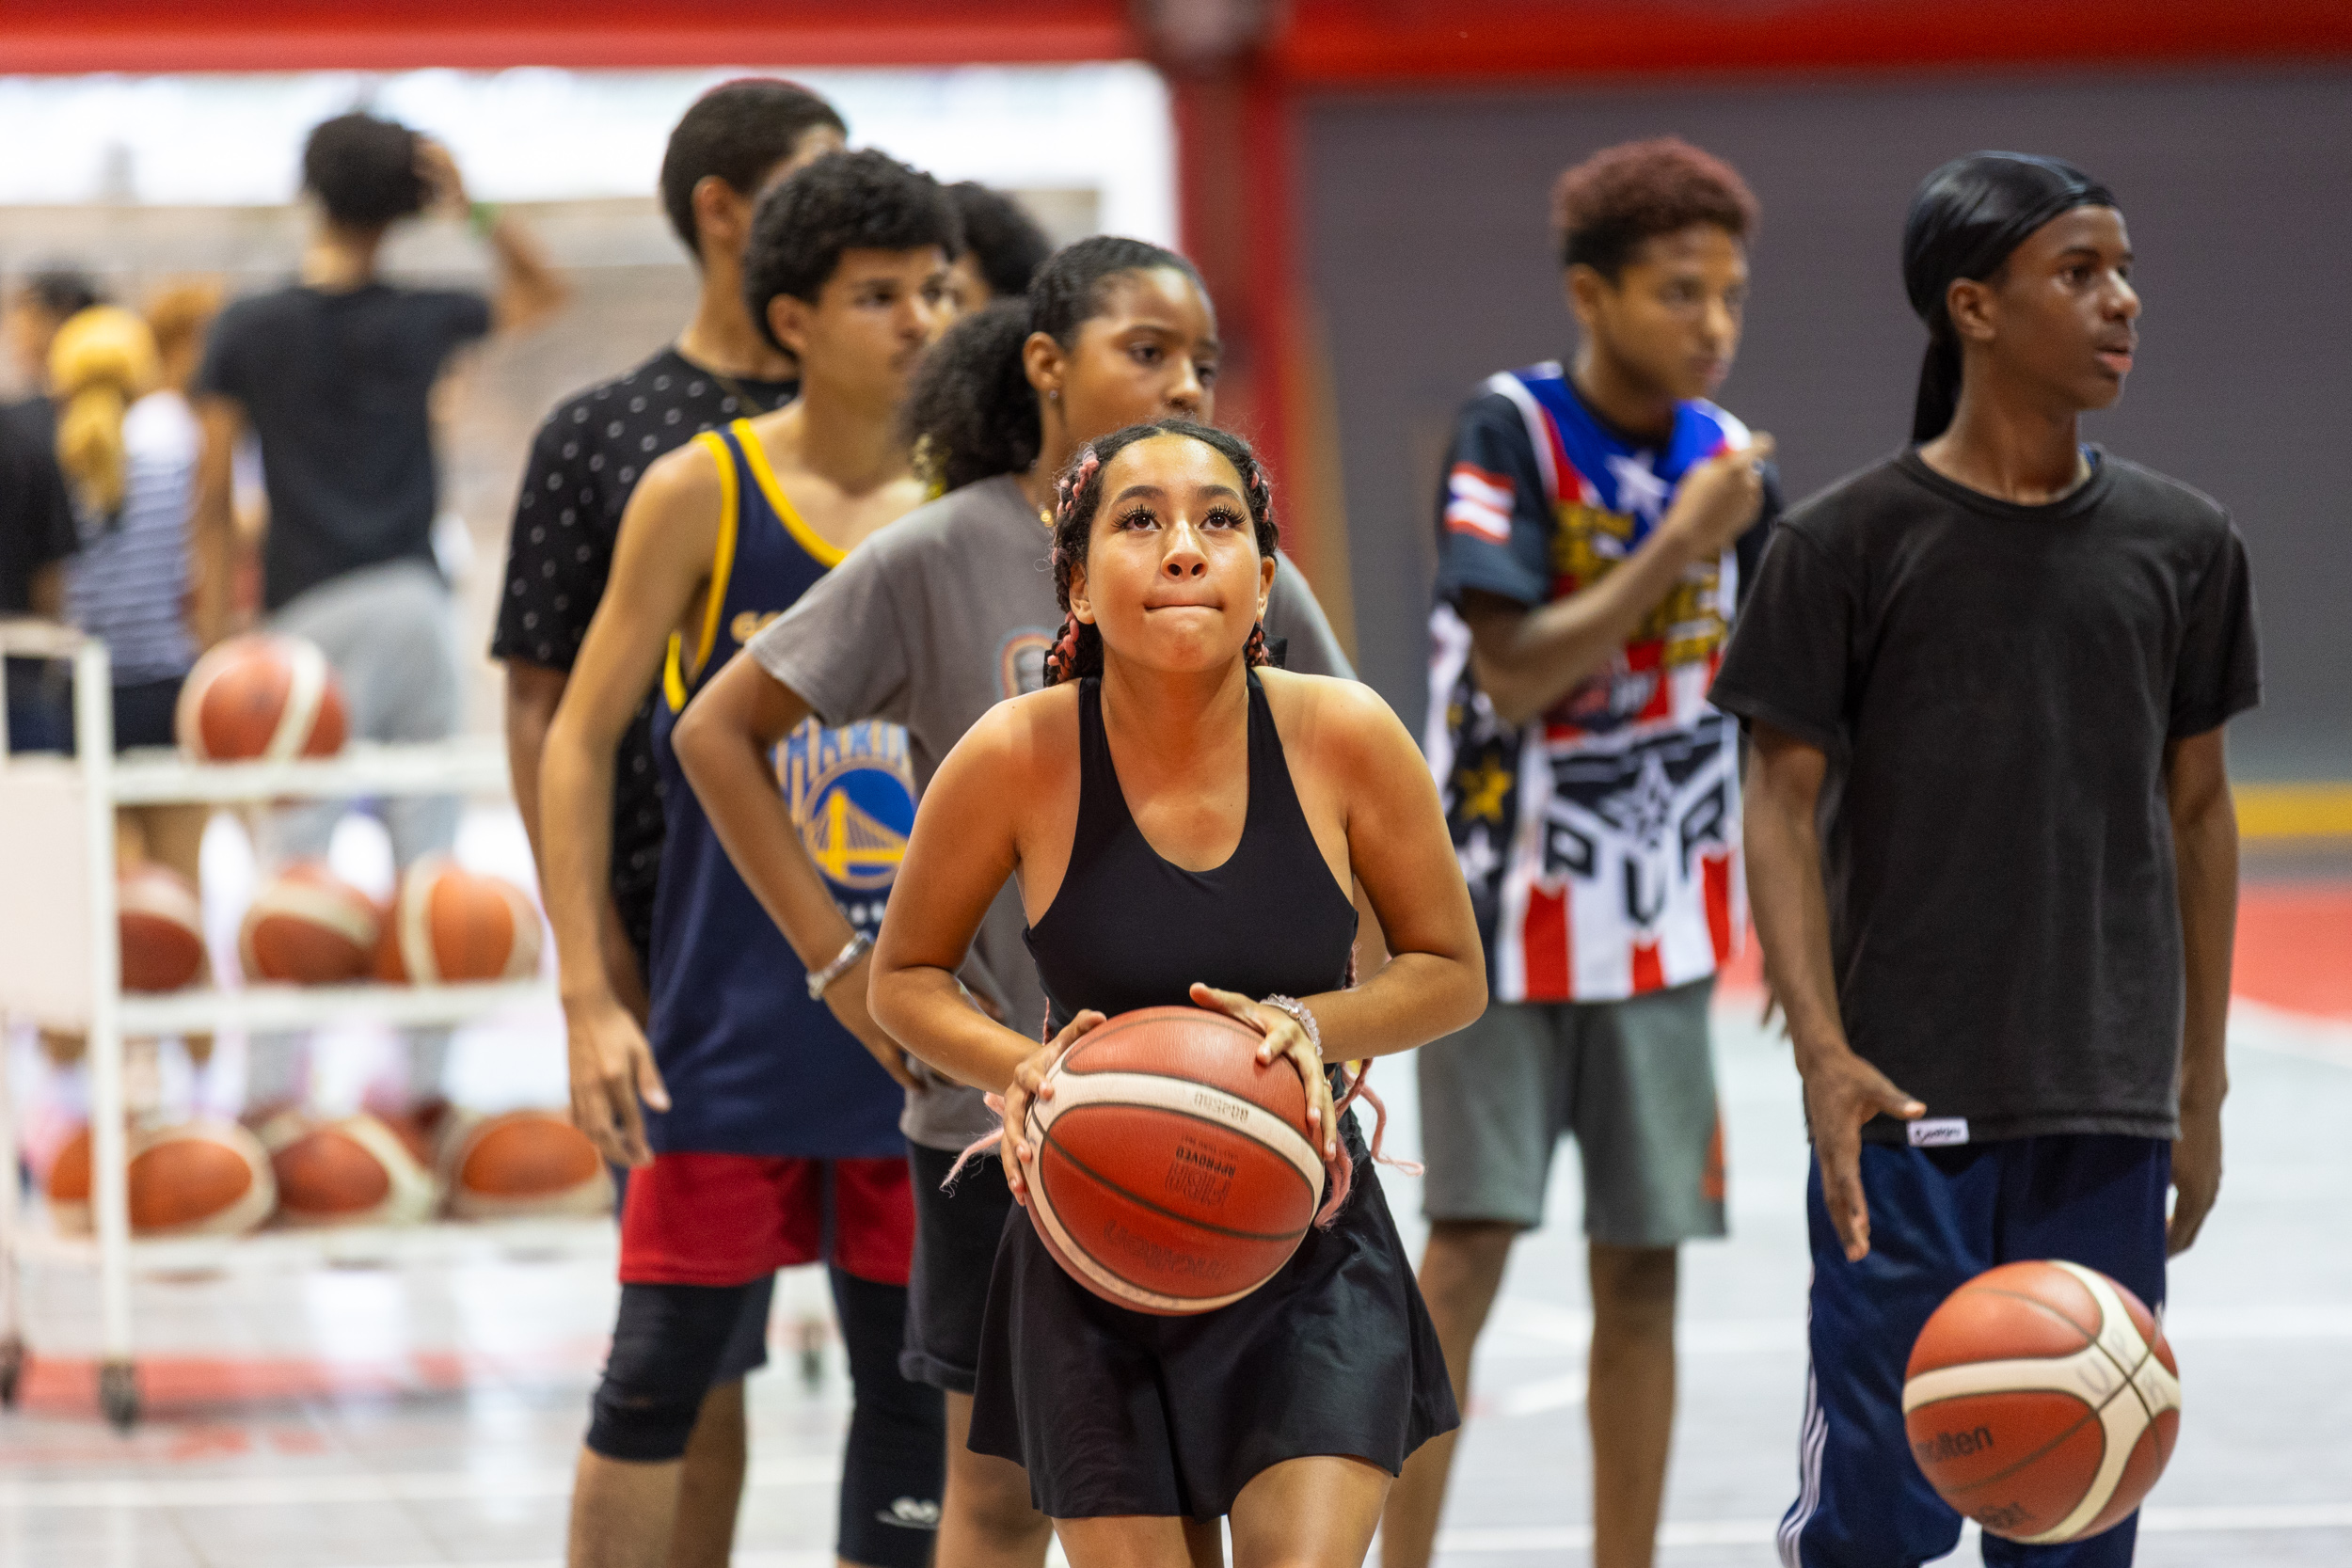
(523, 1163)
(354, 1171)
(447, 923)
(2042, 1402)
(1174, 1172)
(199, 1179)
(309, 927)
(261, 698)
(162, 924)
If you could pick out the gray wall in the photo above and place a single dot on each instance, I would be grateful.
(1432, 267)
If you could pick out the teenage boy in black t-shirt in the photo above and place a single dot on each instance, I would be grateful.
(2001, 662)
(733, 144)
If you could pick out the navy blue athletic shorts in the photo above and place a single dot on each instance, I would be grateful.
(1938, 1218)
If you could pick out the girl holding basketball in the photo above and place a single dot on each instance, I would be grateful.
(1183, 825)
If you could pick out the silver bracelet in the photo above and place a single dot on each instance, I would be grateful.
(842, 963)
(1297, 1011)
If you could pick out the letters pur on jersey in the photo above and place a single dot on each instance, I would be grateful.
(1599, 839)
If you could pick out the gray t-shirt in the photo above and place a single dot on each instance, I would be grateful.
(930, 623)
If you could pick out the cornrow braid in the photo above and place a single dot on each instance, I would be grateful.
(1078, 651)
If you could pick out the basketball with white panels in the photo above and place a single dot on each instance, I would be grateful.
(2042, 1402)
(1175, 1171)
(309, 927)
(261, 698)
(450, 924)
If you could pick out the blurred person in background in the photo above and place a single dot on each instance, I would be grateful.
(37, 532)
(333, 374)
(1591, 532)
(734, 144)
(1003, 247)
(128, 443)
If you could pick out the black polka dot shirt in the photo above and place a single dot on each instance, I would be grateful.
(585, 463)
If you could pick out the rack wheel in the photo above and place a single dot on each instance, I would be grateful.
(11, 1369)
(119, 1394)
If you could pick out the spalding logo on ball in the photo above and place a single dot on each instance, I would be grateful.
(1175, 1171)
(263, 698)
(2042, 1402)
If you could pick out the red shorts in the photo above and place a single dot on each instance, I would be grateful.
(727, 1219)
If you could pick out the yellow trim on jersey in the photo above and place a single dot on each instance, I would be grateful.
(673, 677)
(822, 550)
(723, 558)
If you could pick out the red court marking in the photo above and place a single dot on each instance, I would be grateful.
(2294, 950)
(175, 1385)
(2295, 947)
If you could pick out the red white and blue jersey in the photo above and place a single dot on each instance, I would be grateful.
(1601, 839)
(751, 1063)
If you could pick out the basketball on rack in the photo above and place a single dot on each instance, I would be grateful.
(523, 1163)
(354, 1171)
(1174, 1172)
(261, 698)
(162, 924)
(2041, 1401)
(447, 923)
(199, 1179)
(309, 927)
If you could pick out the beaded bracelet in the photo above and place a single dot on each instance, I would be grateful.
(1296, 1010)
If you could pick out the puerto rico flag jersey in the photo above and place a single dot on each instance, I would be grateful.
(1601, 839)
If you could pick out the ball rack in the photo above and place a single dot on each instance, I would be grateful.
(60, 967)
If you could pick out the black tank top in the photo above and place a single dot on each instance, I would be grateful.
(1127, 930)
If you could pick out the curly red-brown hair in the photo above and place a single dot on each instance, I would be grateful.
(1607, 205)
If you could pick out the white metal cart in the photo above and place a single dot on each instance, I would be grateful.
(60, 966)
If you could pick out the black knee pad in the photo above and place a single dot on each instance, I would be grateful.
(666, 1345)
(895, 1461)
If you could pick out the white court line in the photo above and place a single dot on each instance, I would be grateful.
(381, 1486)
(2250, 1518)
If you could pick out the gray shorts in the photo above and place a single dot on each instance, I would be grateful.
(1635, 1080)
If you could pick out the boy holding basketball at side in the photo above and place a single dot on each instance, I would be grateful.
(770, 1134)
(1589, 540)
(2001, 661)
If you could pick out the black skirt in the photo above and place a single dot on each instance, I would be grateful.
(1118, 1411)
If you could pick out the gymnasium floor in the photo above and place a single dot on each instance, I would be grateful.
(391, 1417)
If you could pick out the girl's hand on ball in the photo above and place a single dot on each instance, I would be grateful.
(1283, 1038)
(1028, 1083)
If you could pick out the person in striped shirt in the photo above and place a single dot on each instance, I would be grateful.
(1590, 534)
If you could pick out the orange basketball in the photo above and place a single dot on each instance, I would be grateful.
(447, 923)
(355, 1171)
(309, 927)
(162, 924)
(1174, 1173)
(524, 1162)
(200, 1179)
(265, 697)
(2042, 1402)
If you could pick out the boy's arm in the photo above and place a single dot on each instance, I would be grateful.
(1841, 1090)
(213, 519)
(661, 564)
(1526, 660)
(723, 741)
(2204, 853)
(530, 290)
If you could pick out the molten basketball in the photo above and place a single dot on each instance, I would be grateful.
(2041, 1401)
(200, 1179)
(523, 1163)
(260, 697)
(309, 927)
(1174, 1173)
(450, 924)
(355, 1171)
(162, 924)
